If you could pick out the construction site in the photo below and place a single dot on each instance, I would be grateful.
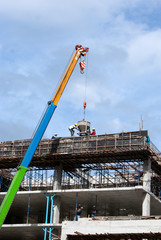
(82, 187)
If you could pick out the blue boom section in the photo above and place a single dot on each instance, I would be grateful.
(38, 135)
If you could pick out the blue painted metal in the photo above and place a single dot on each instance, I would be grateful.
(46, 218)
(51, 216)
(76, 218)
(38, 135)
(139, 173)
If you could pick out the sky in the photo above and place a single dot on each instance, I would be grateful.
(122, 79)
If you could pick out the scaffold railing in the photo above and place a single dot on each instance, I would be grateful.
(107, 142)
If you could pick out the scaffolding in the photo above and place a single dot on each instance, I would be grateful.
(102, 161)
(77, 150)
(107, 171)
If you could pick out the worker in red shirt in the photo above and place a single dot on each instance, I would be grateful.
(93, 133)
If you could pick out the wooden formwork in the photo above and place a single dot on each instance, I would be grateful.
(77, 150)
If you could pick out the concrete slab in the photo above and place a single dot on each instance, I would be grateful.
(87, 226)
(109, 201)
(25, 231)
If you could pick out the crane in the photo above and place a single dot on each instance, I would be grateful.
(51, 106)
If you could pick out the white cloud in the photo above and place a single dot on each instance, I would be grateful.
(71, 13)
(38, 38)
(145, 52)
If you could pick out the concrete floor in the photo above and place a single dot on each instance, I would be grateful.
(110, 202)
(26, 231)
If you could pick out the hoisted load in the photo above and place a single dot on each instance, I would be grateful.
(83, 128)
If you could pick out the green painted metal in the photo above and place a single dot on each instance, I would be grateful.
(8, 199)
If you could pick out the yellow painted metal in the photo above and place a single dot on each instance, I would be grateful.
(66, 77)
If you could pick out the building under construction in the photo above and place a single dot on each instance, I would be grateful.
(79, 188)
(117, 175)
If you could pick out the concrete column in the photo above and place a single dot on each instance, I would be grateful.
(57, 186)
(147, 187)
(56, 210)
(57, 178)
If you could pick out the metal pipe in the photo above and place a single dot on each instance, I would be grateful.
(46, 218)
(51, 215)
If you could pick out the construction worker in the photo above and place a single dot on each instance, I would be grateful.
(55, 136)
(93, 212)
(93, 132)
(148, 141)
(71, 129)
(78, 212)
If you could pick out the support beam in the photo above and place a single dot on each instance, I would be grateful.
(57, 186)
(56, 210)
(57, 177)
(147, 187)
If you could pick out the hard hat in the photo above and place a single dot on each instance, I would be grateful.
(75, 124)
(93, 128)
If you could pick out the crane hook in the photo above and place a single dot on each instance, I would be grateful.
(84, 105)
(82, 65)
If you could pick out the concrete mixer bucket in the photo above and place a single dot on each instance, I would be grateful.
(83, 128)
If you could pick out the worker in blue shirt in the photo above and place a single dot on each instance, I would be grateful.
(148, 140)
(78, 212)
(93, 212)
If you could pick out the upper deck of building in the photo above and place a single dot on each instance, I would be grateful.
(75, 151)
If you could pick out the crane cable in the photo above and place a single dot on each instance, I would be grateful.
(85, 86)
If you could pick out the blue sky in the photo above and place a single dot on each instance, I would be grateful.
(123, 74)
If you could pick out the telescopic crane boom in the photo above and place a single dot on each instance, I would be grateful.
(23, 167)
